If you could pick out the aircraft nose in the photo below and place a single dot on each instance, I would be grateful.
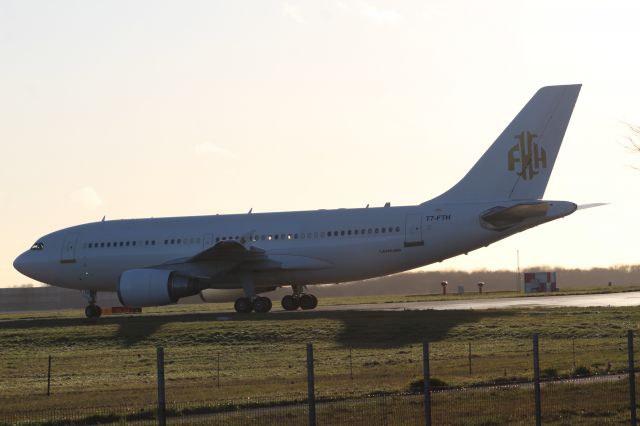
(20, 263)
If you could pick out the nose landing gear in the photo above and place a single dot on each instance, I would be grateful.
(92, 310)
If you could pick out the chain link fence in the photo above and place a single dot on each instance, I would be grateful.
(477, 382)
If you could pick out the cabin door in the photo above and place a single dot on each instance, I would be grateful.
(413, 230)
(69, 249)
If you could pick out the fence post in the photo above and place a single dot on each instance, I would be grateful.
(49, 378)
(470, 358)
(427, 383)
(350, 363)
(311, 393)
(162, 420)
(218, 369)
(632, 378)
(536, 380)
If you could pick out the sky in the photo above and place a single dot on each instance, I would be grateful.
(164, 108)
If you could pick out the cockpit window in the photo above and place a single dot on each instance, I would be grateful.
(37, 246)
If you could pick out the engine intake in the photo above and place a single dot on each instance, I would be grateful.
(154, 287)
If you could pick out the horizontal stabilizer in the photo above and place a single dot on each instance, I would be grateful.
(529, 214)
(499, 218)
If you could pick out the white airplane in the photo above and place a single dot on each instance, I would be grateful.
(152, 262)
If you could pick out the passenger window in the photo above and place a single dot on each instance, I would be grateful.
(153, 242)
(383, 230)
(397, 229)
(133, 243)
(108, 244)
(370, 230)
(377, 230)
(127, 244)
(295, 236)
(101, 244)
(341, 232)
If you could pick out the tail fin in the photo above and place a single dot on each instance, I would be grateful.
(519, 163)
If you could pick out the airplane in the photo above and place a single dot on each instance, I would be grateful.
(157, 261)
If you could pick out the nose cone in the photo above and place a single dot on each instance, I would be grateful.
(20, 263)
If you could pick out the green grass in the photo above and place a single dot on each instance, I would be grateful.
(111, 362)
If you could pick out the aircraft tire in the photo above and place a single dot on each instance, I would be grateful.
(262, 305)
(93, 311)
(308, 301)
(243, 305)
(290, 303)
(315, 301)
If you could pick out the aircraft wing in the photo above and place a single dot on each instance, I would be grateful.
(229, 251)
(235, 255)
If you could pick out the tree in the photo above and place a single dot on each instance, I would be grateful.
(633, 140)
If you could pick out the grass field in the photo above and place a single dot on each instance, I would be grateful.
(111, 362)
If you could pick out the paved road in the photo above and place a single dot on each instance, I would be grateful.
(585, 300)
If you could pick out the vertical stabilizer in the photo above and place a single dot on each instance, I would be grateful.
(519, 163)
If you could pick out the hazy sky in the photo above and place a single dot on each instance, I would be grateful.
(154, 108)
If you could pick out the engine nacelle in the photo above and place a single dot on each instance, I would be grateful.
(154, 287)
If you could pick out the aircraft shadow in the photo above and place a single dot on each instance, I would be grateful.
(358, 329)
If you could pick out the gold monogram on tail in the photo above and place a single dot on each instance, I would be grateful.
(529, 156)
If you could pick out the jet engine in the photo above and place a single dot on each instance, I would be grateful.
(154, 287)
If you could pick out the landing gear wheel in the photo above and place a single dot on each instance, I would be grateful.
(262, 305)
(290, 303)
(93, 311)
(308, 301)
(243, 305)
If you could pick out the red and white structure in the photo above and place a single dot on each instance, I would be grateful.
(539, 282)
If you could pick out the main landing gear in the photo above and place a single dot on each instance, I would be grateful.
(244, 305)
(299, 299)
(92, 310)
(251, 302)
